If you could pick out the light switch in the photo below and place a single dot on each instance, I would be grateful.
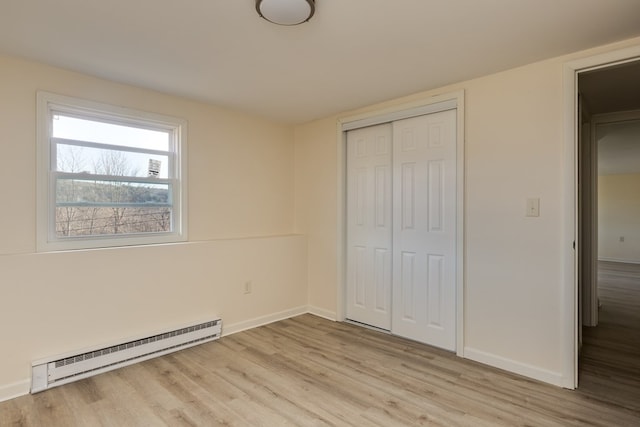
(533, 207)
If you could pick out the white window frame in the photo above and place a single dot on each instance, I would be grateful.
(47, 105)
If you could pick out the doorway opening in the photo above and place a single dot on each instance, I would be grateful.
(608, 230)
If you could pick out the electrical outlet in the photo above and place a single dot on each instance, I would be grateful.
(248, 287)
(533, 207)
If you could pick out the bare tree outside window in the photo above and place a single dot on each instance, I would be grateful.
(70, 159)
(100, 207)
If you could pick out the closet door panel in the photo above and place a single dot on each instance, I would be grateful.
(424, 239)
(369, 225)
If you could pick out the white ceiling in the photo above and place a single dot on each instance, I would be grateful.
(352, 53)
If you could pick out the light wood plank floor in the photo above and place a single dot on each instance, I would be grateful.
(308, 371)
(610, 357)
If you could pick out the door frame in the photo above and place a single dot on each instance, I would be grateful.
(426, 105)
(571, 235)
(587, 242)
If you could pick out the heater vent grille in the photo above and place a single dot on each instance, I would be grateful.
(63, 370)
(131, 344)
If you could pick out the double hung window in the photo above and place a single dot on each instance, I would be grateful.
(108, 176)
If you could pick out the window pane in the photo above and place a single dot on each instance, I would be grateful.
(88, 221)
(76, 159)
(78, 191)
(111, 176)
(107, 133)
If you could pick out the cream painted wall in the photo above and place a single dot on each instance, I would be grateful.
(316, 210)
(240, 228)
(514, 272)
(240, 167)
(619, 216)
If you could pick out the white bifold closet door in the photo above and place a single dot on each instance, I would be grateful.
(424, 229)
(369, 225)
(401, 227)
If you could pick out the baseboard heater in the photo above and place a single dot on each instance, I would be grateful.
(55, 371)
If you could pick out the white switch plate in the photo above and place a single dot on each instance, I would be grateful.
(533, 207)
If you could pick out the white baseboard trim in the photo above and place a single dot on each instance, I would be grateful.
(321, 312)
(262, 320)
(513, 366)
(11, 391)
(625, 261)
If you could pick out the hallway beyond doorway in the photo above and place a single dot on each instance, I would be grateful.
(610, 357)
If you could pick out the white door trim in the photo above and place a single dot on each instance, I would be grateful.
(448, 101)
(570, 235)
(393, 115)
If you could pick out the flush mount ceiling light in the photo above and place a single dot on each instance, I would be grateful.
(286, 12)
